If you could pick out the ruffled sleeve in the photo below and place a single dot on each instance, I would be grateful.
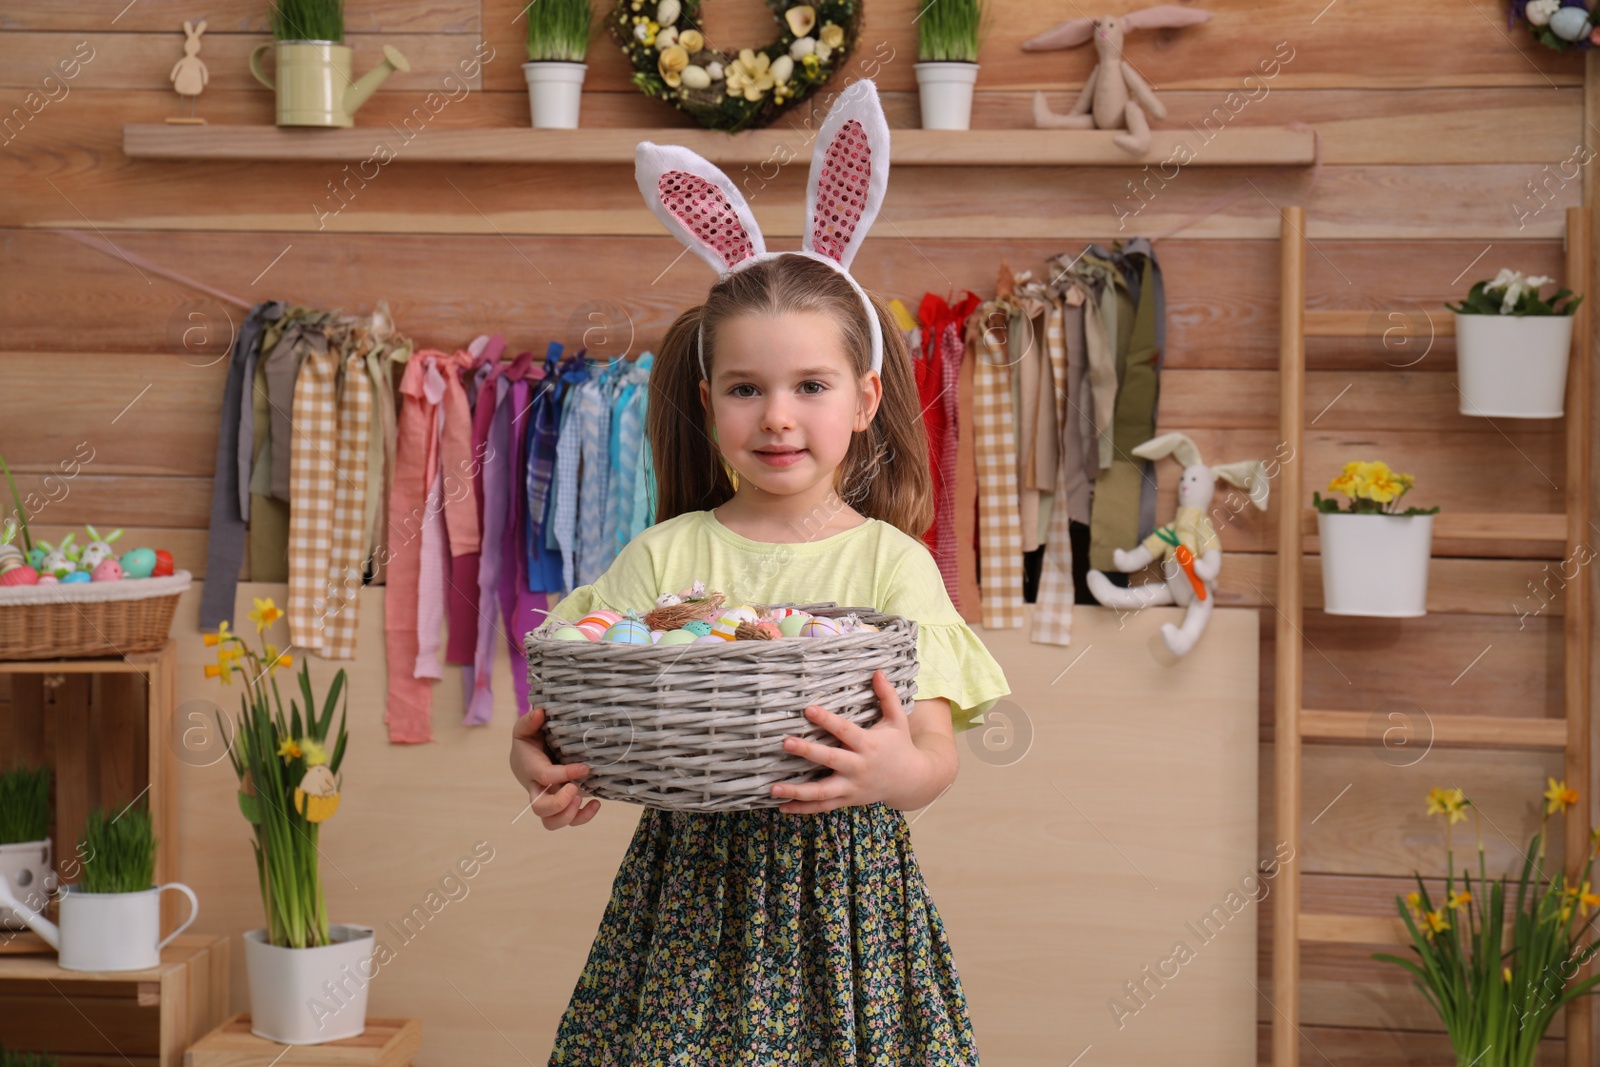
(952, 661)
(629, 584)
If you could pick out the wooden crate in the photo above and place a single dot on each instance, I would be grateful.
(116, 1018)
(386, 1043)
(105, 727)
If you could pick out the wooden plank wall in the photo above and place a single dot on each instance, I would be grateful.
(1450, 148)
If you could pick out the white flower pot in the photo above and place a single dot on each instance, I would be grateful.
(1375, 564)
(116, 931)
(306, 996)
(29, 868)
(946, 92)
(555, 89)
(1513, 366)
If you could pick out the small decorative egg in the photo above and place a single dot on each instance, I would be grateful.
(820, 626)
(729, 621)
(604, 617)
(681, 637)
(570, 633)
(779, 614)
(36, 557)
(771, 629)
(791, 625)
(594, 631)
(866, 627)
(1569, 23)
(138, 563)
(656, 635)
(164, 564)
(10, 556)
(667, 600)
(698, 627)
(75, 577)
(708, 637)
(107, 570)
(628, 632)
(49, 579)
(20, 576)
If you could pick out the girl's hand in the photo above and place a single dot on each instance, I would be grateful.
(880, 763)
(552, 793)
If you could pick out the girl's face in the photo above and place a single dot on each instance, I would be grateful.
(785, 402)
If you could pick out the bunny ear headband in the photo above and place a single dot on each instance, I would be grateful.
(703, 208)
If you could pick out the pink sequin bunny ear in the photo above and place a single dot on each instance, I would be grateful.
(698, 204)
(849, 174)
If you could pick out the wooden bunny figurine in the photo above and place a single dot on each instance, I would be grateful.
(1113, 78)
(189, 74)
(1187, 547)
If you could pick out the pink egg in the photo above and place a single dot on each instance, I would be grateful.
(107, 570)
(20, 576)
(593, 630)
(655, 636)
(49, 579)
(770, 629)
(604, 617)
(708, 637)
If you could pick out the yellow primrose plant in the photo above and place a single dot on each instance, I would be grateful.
(1497, 997)
(1373, 489)
(289, 779)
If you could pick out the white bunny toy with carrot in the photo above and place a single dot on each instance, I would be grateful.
(1105, 103)
(1188, 548)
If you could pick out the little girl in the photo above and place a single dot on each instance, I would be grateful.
(792, 467)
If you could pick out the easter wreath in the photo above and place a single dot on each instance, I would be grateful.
(1559, 24)
(672, 60)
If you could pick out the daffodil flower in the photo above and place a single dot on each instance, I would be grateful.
(1559, 796)
(275, 659)
(290, 749)
(1459, 900)
(220, 636)
(265, 614)
(1436, 922)
(1450, 802)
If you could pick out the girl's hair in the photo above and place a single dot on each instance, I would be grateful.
(690, 472)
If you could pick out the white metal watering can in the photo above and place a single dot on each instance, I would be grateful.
(105, 931)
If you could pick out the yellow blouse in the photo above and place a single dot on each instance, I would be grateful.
(872, 565)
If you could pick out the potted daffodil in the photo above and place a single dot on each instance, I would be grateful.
(1374, 555)
(289, 785)
(1512, 347)
(1497, 980)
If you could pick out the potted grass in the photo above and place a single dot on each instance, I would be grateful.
(26, 859)
(1374, 555)
(111, 919)
(1496, 987)
(314, 86)
(558, 40)
(289, 785)
(14, 1058)
(1512, 347)
(949, 33)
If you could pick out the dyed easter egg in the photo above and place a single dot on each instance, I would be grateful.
(107, 570)
(570, 633)
(138, 563)
(594, 631)
(771, 629)
(698, 627)
(603, 617)
(791, 625)
(656, 635)
(20, 576)
(709, 637)
(10, 556)
(75, 577)
(819, 626)
(779, 614)
(164, 564)
(729, 621)
(679, 637)
(49, 579)
(866, 627)
(36, 557)
(1569, 23)
(628, 632)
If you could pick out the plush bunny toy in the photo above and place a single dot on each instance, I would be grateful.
(1104, 102)
(1187, 547)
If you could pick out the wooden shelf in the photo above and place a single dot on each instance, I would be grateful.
(1230, 147)
(145, 1017)
(386, 1043)
(1453, 731)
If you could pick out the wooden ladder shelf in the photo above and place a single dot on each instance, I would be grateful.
(1296, 724)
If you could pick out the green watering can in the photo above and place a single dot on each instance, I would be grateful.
(314, 86)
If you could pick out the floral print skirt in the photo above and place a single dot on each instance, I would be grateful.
(767, 939)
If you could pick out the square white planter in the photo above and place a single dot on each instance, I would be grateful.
(307, 996)
(1375, 564)
(1513, 366)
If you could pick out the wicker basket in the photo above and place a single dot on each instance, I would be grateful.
(80, 620)
(700, 726)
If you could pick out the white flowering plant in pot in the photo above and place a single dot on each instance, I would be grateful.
(1512, 347)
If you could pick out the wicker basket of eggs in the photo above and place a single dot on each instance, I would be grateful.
(685, 706)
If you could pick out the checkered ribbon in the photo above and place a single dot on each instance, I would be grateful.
(349, 542)
(994, 431)
(312, 478)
